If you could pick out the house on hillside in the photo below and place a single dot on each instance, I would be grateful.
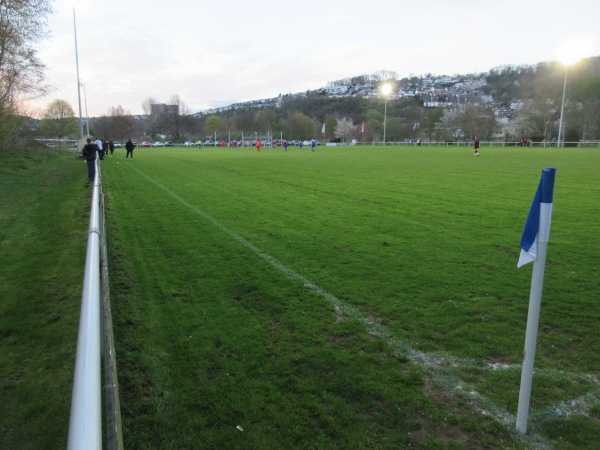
(337, 90)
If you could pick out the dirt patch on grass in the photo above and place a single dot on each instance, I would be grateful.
(455, 423)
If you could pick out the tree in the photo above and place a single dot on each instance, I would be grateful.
(330, 124)
(344, 129)
(101, 127)
(384, 75)
(266, 120)
(177, 118)
(58, 120)
(395, 130)
(298, 126)
(432, 117)
(244, 120)
(121, 123)
(587, 95)
(22, 24)
(450, 125)
(535, 120)
(212, 125)
(469, 120)
(147, 105)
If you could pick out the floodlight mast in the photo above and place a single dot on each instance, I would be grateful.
(78, 80)
(87, 117)
(385, 91)
(562, 109)
(569, 54)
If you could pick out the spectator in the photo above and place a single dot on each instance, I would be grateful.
(100, 148)
(89, 154)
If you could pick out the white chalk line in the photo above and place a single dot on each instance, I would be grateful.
(438, 365)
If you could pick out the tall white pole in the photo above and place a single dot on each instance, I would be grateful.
(562, 108)
(384, 119)
(87, 117)
(78, 83)
(533, 317)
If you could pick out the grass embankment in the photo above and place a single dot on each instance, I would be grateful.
(349, 298)
(44, 215)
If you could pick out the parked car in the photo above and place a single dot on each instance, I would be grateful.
(189, 143)
(169, 144)
(158, 144)
(117, 144)
(146, 144)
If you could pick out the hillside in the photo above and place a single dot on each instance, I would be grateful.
(506, 103)
(503, 88)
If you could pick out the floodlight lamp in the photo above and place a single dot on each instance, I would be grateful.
(571, 52)
(386, 89)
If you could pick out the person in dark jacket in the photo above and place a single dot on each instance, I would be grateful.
(89, 153)
(129, 146)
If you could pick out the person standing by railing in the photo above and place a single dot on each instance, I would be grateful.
(100, 148)
(89, 154)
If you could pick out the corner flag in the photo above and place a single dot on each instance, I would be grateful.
(533, 248)
(537, 225)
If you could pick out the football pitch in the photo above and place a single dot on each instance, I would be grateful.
(362, 297)
(353, 297)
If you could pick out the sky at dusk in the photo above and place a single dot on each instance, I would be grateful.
(217, 53)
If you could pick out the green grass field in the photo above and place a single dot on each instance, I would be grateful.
(361, 297)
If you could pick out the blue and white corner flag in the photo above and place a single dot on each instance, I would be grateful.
(537, 226)
(534, 244)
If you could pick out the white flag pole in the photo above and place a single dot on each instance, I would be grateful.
(533, 317)
(546, 191)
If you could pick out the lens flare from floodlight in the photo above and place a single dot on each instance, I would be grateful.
(386, 89)
(571, 52)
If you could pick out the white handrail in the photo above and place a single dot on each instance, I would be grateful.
(85, 427)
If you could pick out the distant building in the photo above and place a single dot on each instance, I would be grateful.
(444, 80)
(162, 111)
(337, 90)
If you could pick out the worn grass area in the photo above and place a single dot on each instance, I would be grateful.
(351, 297)
(44, 213)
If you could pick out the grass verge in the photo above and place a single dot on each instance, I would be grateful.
(44, 213)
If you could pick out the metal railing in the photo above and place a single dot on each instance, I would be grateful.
(95, 338)
(85, 426)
